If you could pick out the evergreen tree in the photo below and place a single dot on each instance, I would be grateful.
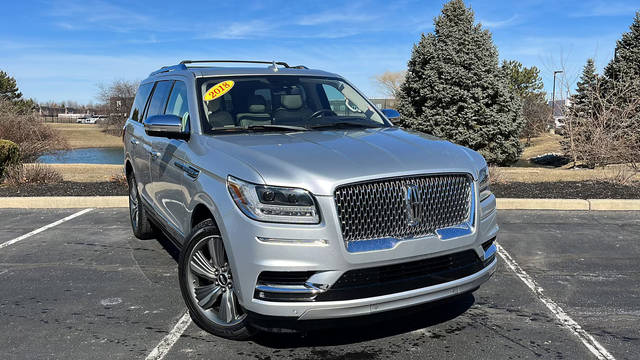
(523, 80)
(583, 102)
(527, 83)
(582, 114)
(626, 63)
(454, 88)
(8, 87)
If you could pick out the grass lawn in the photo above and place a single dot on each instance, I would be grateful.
(86, 136)
(87, 172)
(543, 144)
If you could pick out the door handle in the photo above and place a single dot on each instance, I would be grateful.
(134, 141)
(154, 154)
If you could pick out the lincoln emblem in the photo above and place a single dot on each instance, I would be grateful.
(413, 203)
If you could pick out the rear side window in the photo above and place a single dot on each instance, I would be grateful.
(159, 98)
(178, 104)
(141, 100)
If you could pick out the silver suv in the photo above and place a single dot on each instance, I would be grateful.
(293, 198)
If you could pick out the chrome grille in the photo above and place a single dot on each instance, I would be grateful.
(403, 207)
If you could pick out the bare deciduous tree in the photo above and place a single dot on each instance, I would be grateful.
(537, 116)
(608, 133)
(390, 82)
(117, 98)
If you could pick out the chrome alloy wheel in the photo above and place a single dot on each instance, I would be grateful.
(211, 284)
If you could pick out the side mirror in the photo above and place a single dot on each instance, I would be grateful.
(169, 126)
(391, 114)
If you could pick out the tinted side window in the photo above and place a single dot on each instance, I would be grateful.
(178, 104)
(141, 100)
(159, 98)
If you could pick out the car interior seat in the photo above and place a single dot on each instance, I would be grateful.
(218, 117)
(257, 114)
(292, 110)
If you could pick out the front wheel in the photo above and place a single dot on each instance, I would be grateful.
(207, 285)
(140, 224)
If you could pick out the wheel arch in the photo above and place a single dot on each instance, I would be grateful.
(128, 168)
(200, 213)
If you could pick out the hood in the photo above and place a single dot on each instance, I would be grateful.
(319, 161)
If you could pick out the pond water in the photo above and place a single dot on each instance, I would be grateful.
(85, 156)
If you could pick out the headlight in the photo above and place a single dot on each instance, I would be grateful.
(273, 203)
(483, 183)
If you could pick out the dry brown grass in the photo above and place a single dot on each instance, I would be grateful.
(516, 174)
(87, 172)
(86, 136)
(543, 144)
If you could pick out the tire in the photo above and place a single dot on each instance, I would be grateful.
(140, 224)
(207, 287)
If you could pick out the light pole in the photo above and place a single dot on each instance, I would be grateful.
(553, 97)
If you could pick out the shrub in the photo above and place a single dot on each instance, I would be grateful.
(31, 174)
(9, 155)
(119, 178)
(32, 136)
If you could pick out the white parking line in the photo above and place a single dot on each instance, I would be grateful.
(567, 322)
(161, 350)
(36, 231)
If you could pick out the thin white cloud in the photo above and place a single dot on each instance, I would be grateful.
(335, 16)
(496, 24)
(601, 8)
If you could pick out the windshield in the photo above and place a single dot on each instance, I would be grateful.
(283, 103)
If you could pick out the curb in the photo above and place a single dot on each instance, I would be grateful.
(70, 202)
(64, 202)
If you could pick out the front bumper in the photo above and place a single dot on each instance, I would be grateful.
(372, 305)
(325, 253)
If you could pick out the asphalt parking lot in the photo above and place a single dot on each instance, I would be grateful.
(86, 289)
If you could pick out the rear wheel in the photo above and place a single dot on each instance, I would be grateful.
(140, 224)
(207, 284)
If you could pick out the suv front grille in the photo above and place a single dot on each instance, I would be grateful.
(403, 207)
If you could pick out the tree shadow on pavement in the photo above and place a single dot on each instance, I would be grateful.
(371, 327)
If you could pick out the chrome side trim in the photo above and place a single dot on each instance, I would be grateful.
(307, 288)
(190, 171)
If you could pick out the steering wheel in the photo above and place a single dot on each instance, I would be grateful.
(322, 111)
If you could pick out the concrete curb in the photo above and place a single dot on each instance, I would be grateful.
(64, 202)
(69, 202)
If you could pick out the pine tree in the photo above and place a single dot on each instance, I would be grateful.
(626, 63)
(8, 87)
(454, 88)
(583, 102)
(527, 83)
(582, 113)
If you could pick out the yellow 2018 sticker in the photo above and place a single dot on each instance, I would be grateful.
(218, 90)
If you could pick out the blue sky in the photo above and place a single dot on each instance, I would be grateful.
(62, 50)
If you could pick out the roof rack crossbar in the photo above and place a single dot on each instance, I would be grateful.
(169, 68)
(281, 63)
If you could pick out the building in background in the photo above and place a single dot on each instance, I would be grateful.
(559, 110)
(384, 103)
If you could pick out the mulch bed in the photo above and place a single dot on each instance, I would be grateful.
(539, 190)
(567, 190)
(66, 188)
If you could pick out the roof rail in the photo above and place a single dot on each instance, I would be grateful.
(281, 63)
(164, 69)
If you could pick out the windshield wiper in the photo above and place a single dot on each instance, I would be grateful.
(253, 128)
(276, 127)
(342, 125)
